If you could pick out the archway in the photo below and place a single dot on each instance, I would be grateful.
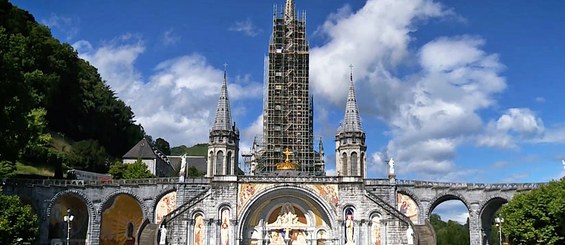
(165, 205)
(449, 216)
(58, 226)
(122, 216)
(488, 214)
(287, 215)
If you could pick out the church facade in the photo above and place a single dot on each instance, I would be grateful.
(286, 199)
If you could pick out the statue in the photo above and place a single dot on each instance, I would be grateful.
(182, 171)
(391, 167)
(349, 229)
(163, 236)
(410, 235)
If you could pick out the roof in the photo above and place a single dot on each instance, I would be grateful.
(199, 162)
(142, 149)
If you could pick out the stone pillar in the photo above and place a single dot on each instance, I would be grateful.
(190, 232)
(475, 234)
(211, 232)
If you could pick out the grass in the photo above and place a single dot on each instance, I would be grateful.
(22, 169)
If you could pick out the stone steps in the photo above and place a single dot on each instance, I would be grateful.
(147, 236)
(426, 234)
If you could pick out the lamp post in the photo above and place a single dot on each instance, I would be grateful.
(68, 219)
(498, 221)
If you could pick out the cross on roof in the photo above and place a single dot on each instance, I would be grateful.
(287, 153)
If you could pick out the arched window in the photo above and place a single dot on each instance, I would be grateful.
(199, 230)
(344, 164)
(376, 232)
(220, 163)
(228, 164)
(349, 226)
(354, 168)
(225, 226)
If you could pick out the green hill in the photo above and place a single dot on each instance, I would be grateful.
(48, 91)
(195, 150)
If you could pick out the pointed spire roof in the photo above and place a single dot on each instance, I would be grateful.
(351, 120)
(289, 10)
(223, 113)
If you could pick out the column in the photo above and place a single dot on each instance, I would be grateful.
(475, 234)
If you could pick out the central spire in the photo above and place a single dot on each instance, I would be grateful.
(223, 114)
(351, 120)
(289, 10)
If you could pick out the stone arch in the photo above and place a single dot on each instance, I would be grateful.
(121, 216)
(488, 209)
(414, 197)
(163, 204)
(446, 196)
(258, 207)
(81, 208)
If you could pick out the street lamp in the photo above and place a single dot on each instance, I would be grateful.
(498, 221)
(68, 219)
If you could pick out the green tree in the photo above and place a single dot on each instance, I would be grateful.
(137, 170)
(193, 172)
(89, 155)
(163, 146)
(118, 169)
(538, 216)
(450, 232)
(7, 169)
(18, 222)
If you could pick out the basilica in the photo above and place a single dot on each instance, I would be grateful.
(286, 198)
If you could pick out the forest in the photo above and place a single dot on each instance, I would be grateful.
(57, 112)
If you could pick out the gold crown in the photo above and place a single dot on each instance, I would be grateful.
(287, 164)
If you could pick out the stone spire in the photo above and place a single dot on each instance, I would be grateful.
(223, 114)
(289, 11)
(351, 120)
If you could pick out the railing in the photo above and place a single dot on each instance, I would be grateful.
(64, 182)
(455, 185)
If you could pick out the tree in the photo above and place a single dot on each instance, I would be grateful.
(163, 146)
(450, 233)
(538, 216)
(118, 169)
(18, 222)
(193, 172)
(136, 170)
(89, 155)
(7, 169)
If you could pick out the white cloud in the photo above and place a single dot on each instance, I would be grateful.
(245, 26)
(520, 120)
(64, 24)
(169, 38)
(429, 112)
(177, 101)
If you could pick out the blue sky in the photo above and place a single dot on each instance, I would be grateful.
(452, 90)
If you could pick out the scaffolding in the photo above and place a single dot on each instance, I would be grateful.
(287, 105)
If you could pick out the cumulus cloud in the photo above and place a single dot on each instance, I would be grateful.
(177, 101)
(246, 27)
(433, 109)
